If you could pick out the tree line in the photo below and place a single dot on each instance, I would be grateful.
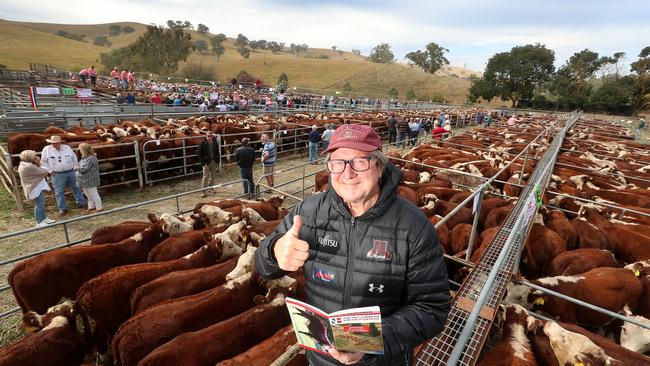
(526, 77)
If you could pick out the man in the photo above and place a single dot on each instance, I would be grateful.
(375, 247)
(392, 129)
(124, 80)
(115, 74)
(403, 131)
(60, 160)
(314, 139)
(512, 121)
(93, 75)
(327, 135)
(269, 152)
(245, 156)
(208, 155)
(426, 126)
(83, 75)
(414, 126)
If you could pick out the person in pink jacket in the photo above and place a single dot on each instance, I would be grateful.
(115, 74)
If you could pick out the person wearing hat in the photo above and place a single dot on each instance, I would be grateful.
(374, 247)
(32, 178)
(60, 161)
(245, 157)
(314, 139)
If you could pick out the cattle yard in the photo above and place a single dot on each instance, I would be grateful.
(540, 222)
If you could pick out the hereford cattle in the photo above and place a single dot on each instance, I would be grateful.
(264, 353)
(443, 208)
(485, 239)
(633, 337)
(514, 348)
(541, 246)
(642, 271)
(321, 181)
(141, 334)
(106, 297)
(568, 344)
(182, 244)
(408, 194)
(497, 216)
(558, 222)
(117, 233)
(211, 215)
(589, 236)
(42, 281)
(460, 235)
(57, 344)
(608, 288)
(235, 335)
(628, 245)
(575, 262)
(180, 283)
(268, 209)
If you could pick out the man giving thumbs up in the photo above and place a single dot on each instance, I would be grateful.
(359, 244)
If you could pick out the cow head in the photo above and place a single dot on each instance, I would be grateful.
(518, 294)
(245, 264)
(276, 201)
(216, 216)
(33, 322)
(251, 217)
(285, 285)
(222, 247)
(172, 225)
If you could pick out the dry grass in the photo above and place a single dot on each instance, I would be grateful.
(36, 42)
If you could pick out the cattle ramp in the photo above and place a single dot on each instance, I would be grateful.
(476, 303)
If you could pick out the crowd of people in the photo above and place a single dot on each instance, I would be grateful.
(58, 162)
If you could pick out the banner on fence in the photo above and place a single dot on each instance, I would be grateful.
(84, 93)
(68, 91)
(47, 91)
(32, 98)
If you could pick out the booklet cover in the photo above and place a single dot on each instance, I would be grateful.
(351, 330)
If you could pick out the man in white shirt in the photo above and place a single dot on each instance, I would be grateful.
(60, 160)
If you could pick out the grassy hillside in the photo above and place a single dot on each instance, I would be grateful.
(37, 43)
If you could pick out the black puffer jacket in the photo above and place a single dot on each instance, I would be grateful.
(389, 256)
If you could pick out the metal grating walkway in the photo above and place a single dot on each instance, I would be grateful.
(475, 305)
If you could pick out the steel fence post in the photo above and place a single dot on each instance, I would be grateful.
(138, 163)
(523, 167)
(184, 159)
(477, 214)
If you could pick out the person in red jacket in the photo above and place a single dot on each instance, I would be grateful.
(438, 132)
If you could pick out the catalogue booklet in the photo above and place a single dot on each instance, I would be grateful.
(351, 330)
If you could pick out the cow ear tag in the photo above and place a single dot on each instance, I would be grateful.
(637, 273)
(579, 364)
(539, 301)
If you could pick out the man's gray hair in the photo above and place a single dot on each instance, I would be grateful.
(380, 158)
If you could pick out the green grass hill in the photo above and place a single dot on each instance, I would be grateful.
(317, 69)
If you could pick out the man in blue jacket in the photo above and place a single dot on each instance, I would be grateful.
(374, 247)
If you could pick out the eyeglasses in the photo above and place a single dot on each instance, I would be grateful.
(336, 166)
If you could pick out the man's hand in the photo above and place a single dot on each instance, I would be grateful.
(291, 252)
(346, 358)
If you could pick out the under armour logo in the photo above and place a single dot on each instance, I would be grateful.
(372, 288)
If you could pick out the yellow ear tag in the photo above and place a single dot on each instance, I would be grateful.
(579, 364)
(637, 273)
(539, 301)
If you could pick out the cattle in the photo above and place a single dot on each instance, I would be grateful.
(182, 244)
(117, 233)
(408, 194)
(252, 217)
(180, 283)
(264, 353)
(485, 239)
(608, 288)
(460, 235)
(268, 209)
(42, 281)
(235, 335)
(642, 271)
(568, 344)
(321, 181)
(497, 216)
(514, 348)
(633, 337)
(443, 208)
(628, 245)
(151, 328)
(575, 262)
(558, 222)
(56, 344)
(106, 298)
(589, 236)
(542, 245)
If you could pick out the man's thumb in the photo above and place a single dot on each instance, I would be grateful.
(295, 229)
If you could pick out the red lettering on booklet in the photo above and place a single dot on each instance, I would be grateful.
(356, 328)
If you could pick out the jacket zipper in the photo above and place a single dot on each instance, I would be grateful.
(348, 271)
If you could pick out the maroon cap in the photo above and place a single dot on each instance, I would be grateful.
(358, 137)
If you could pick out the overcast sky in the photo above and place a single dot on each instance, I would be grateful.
(473, 31)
